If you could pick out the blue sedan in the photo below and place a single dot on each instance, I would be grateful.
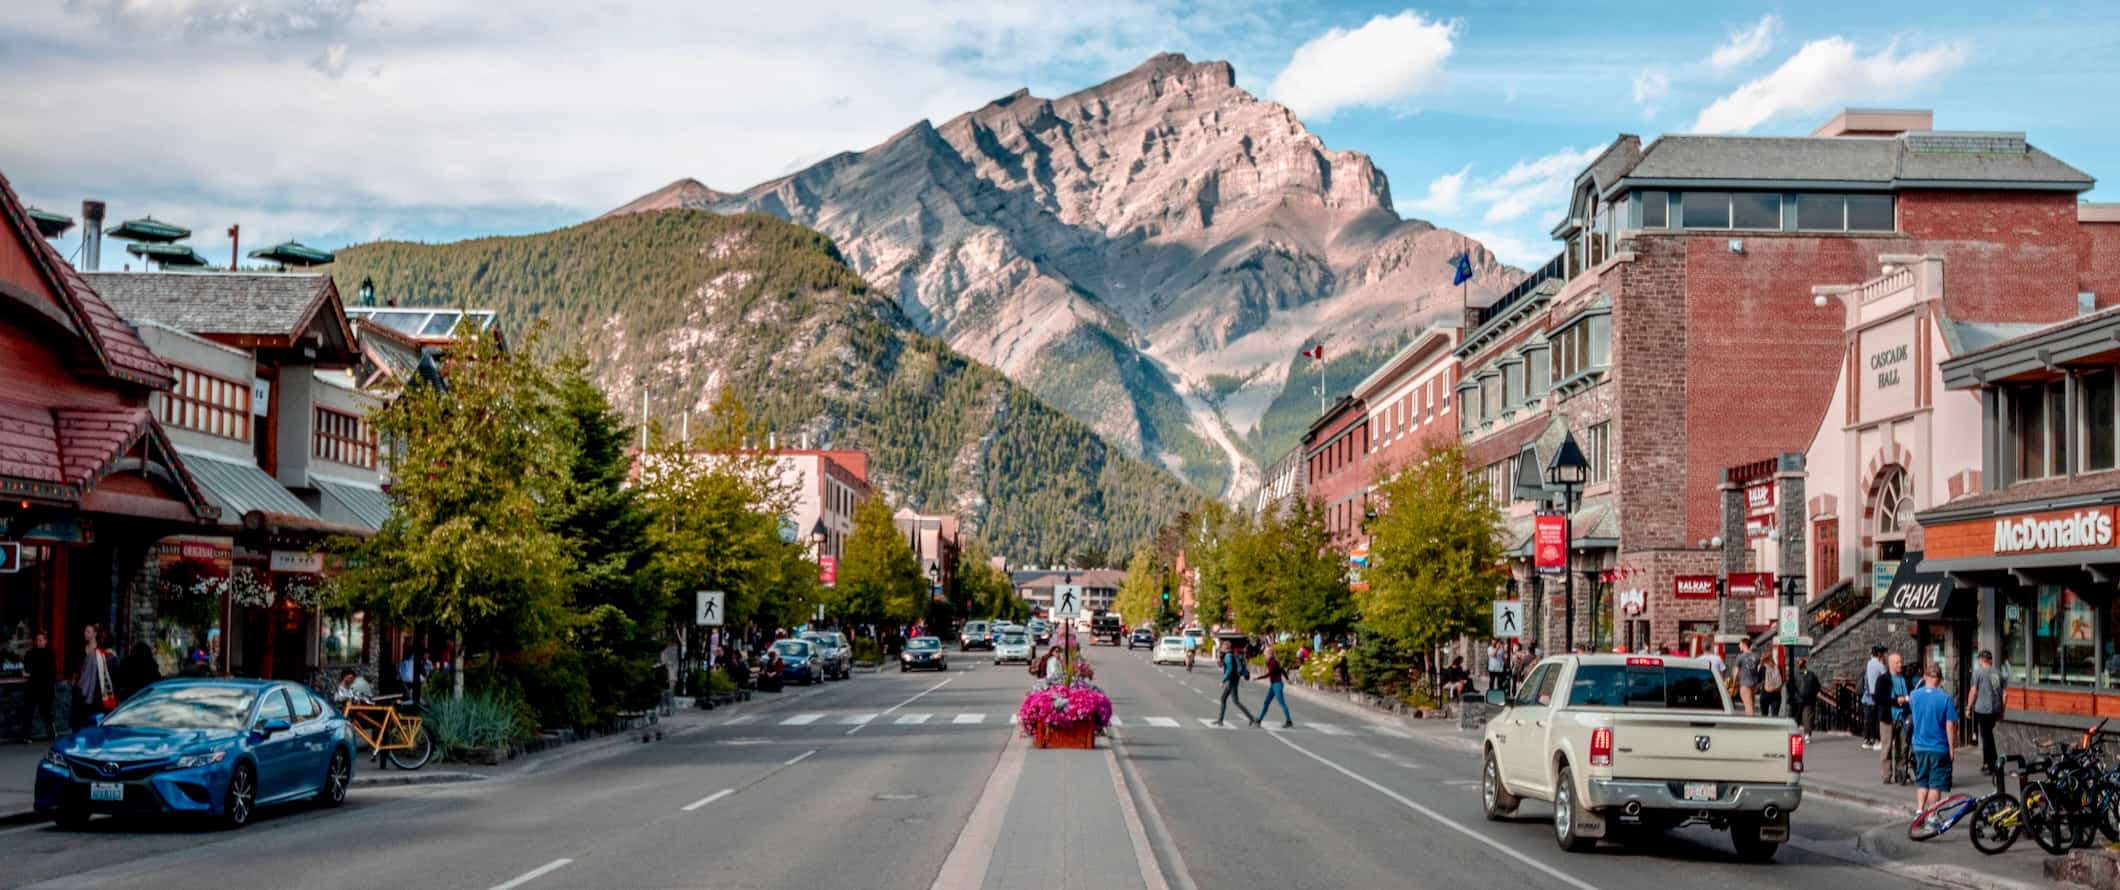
(801, 662)
(214, 747)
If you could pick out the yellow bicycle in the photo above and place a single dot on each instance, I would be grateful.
(390, 732)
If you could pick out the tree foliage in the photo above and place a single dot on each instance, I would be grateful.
(879, 577)
(987, 592)
(1140, 597)
(1277, 571)
(1436, 544)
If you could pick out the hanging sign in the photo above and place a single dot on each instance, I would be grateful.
(1549, 543)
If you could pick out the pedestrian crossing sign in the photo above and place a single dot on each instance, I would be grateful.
(707, 608)
(1508, 619)
(1067, 601)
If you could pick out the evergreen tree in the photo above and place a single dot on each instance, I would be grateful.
(1313, 594)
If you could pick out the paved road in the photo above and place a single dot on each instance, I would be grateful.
(874, 783)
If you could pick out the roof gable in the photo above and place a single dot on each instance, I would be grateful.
(118, 352)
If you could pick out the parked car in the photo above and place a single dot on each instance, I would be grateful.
(1640, 740)
(1143, 637)
(801, 662)
(834, 653)
(1041, 631)
(1170, 650)
(1014, 646)
(923, 653)
(976, 635)
(220, 748)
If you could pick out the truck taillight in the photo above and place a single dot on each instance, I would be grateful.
(1796, 752)
(1601, 746)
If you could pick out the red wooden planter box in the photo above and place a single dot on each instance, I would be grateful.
(1076, 735)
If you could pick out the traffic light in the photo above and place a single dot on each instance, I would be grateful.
(1166, 596)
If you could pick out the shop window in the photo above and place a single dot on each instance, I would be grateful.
(25, 608)
(2098, 419)
(2016, 640)
(343, 638)
(2064, 638)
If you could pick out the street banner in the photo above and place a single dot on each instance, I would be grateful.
(1508, 619)
(1549, 540)
(1751, 585)
(828, 570)
(707, 609)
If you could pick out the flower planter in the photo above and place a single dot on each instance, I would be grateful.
(1072, 735)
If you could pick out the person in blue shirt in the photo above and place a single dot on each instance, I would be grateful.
(1234, 671)
(1931, 714)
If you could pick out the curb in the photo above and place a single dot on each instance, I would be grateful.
(418, 777)
(1854, 798)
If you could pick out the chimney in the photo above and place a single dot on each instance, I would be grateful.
(91, 236)
(1878, 122)
(234, 242)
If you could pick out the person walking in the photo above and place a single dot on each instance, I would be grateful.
(1234, 672)
(1891, 696)
(1275, 677)
(1749, 676)
(40, 671)
(1931, 713)
(1801, 695)
(1870, 719)
(94, 693)
(1984, 705)
(1770, 689)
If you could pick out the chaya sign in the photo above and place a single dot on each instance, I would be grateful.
(1693, 587)
(1549, 543)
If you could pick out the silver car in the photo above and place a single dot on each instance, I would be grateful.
(835, 659)
(1013, 646)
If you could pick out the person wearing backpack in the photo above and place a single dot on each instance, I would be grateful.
(1235, 670)
(1770, 689)
(1984, 704)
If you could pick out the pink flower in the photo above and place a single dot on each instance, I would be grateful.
(1060, 706)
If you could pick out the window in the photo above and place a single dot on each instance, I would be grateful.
(1755, 210)
(1654, 207)
(1597, 447)
(1600, 230)
(1893, 506)
(1582, 346)
(1821, 213)
(274, 707)
(2014, 640)
(1490, 395)
(1870, 213)
(2064, 637)
(1538, 373)
(1512, 384)
(1705, 210)
(306, 707)
(344, 438)
(2031, 443)
(1635, 686)
(343, 637)
(203, 402)
(2098, 429)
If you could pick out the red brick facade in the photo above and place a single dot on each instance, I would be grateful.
(1335, 452)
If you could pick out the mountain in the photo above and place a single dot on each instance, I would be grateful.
(1148, 254)
(684, 194)
(683, 303)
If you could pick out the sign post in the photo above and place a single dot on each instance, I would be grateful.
(1508, 619)
(706, 610)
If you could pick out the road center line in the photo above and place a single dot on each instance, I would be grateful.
(1446, 821)
(916, 697)
(533, 874)
(800, 757)
(725, 792)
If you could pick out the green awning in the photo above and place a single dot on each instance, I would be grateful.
(149, 229)
(166, 254)
(292, 253)
(49, 224)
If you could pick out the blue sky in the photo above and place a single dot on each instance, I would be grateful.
(334, 121)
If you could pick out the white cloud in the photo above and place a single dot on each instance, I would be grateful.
(1384, 62)
(1538, 184)
(1744, 46)
(1650, 88)
(1826, 74)
(1445, 195)
(1513, 250)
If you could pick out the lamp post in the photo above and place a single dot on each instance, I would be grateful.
(817, 539)
(1568, 470)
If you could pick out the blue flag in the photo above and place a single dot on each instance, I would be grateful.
(1463, 272)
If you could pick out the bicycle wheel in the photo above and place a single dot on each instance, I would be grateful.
(2050, 826)
(2107, 799)
(1997, 822)
(1934, 820)
(416, 756)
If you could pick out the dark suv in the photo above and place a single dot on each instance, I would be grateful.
(1143, 638)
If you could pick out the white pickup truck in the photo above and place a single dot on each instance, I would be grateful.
(1641, 741)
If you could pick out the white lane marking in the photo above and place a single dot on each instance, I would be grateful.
(739, 721)
(725, 792)
(856, 719)
(911, 719)
(1388, 731)
(1165, 722)
(909, 700)
(533, 874)
(800, 757)
(1209, 722)
(1329, 729)
(802, 719)
(962, 719)
(965, 867)
(1015, 719)
(1447, 822)
(1144, 856)
(1196, 690)
(1116, 721)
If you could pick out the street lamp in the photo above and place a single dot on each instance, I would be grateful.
(1568, 470)
(817, 535)
(367, 291)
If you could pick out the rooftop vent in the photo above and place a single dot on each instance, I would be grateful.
(1966, 143)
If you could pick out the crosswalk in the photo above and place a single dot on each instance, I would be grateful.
(977, 719)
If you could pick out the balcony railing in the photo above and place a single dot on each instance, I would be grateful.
(1556, 268)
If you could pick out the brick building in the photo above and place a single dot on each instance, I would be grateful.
(1676, 334)
(1335, 448)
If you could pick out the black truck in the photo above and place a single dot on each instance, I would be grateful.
(1105, 628)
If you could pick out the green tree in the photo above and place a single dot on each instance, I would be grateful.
(469, 551)
(1208, 547)
(880, 578)
(987, 592)
(1310, 576)
(1436, 542)
(1140, 596)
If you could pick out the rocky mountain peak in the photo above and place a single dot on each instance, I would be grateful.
(686, 194)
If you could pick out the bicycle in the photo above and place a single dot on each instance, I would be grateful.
(1998, 817)
(387, 732)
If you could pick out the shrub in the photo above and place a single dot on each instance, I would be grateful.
(1378, 666)
(868, 651)
(1318, 671)
(474, 720)
(719, 683)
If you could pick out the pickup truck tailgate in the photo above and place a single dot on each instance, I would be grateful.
(1699, 746)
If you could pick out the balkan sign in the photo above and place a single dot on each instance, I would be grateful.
(1693, 587)
(1751, 585)
(1549, 543)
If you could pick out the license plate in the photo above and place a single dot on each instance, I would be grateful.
(106, 791)
(1700, 790)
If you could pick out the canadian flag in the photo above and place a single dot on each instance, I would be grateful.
(1315, 352)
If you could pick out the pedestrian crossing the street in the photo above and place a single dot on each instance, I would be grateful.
(1146, 724)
